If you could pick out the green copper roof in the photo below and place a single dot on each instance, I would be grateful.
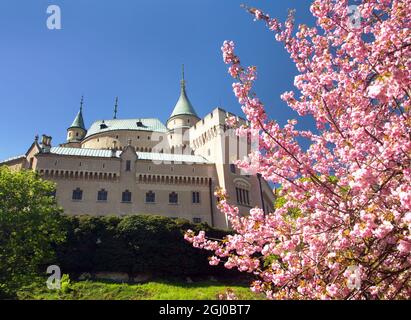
(78, 121)
(149, 124)
(80, 152)
(171, 157)
(152, 156)
(183, 105)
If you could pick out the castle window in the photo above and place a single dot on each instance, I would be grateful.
(243, 196)
(173, 198)
(76, 134)
(102, 195)
(197, 220)
(148, 137)
(196, 197)
(128, 165)
(188, 120)
(150, 197)
(77, 194)
(232, 168)
(126, 196)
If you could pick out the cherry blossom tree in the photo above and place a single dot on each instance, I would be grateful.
(340, 228)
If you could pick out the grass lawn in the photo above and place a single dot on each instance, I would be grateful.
(156, 290)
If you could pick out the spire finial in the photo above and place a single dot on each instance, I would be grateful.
(115, 108)
(81, 103)
(183, 81)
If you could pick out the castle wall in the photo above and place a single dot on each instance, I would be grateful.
(111, 175)
(214, 140)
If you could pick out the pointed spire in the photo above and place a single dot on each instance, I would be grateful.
(115, 108)
(81, 103)
(79, 121)
(183, 81)
(183, 105)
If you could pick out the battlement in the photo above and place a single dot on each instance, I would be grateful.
(214, 119)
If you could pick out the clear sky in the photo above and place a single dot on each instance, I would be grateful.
(132, 49)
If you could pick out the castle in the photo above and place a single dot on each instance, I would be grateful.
(141, 166)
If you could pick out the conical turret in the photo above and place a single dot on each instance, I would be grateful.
(183, 114)
(77, 131)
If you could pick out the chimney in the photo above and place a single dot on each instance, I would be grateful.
(46, 143)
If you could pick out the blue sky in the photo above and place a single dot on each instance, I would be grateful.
(132, 49)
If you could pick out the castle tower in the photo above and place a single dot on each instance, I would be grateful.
(181, 119)
(77, 131)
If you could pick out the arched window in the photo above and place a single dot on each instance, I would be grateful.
(173, 197)
(77, 194)
(150, 197)
(102, 195)
(243, 196)
(126, 196)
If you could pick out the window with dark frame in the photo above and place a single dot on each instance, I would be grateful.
(173, 198)
(243, 196)
(77, 194)
(196, 197)
(102, 195)
(126, 196)
(150, 197)
(128, 165)
(232, 168)
(197, 220)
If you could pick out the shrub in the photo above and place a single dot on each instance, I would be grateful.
(134, 244)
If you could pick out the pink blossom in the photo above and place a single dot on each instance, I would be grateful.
(345, 201)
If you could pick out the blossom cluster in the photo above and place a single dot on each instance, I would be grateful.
(345, 202)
